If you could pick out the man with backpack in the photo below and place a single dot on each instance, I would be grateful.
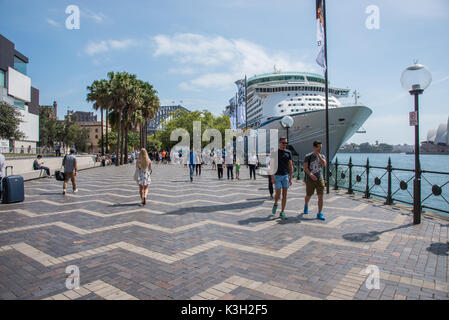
(314, 179)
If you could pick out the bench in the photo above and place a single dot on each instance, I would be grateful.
(34, 174)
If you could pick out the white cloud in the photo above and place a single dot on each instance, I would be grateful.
(183, 71)
(222, 61)
(108, 45)
(441, 80)
(97, 17)
(53, 22)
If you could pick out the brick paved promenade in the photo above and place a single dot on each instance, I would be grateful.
(211, 240)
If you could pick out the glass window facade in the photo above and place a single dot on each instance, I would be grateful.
(20, 65)
(19, 104)
(2, 79)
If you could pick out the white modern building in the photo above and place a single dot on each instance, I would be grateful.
(439, 136)
(16, 89)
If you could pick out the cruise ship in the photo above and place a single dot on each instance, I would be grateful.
(301, 95)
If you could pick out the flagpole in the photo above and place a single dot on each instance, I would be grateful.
(246, 118)
(327, 99)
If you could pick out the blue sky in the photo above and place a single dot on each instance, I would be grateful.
(193, 51)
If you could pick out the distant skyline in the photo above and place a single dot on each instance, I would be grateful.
(194, 51)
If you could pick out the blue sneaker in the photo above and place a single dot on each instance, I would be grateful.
(320, 216)
(275, 208)
(306, 209)
(282, 215)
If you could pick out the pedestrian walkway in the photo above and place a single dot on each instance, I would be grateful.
(212, 239)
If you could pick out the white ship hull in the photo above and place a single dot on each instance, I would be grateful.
(311, 126)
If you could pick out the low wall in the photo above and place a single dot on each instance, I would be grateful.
(24, 166)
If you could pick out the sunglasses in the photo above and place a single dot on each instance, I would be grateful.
(284, 142)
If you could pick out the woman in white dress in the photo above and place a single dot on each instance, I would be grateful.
(142, 175)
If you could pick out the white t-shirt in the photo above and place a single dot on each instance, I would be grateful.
(2, 164)
(218, 158)
(252, 159)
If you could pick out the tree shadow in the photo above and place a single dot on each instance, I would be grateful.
(211, 209)
(439, 248)
(371, 236)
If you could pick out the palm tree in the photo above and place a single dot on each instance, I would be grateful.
(99, 92)
(133, 102)
(128, 102)
(119, 83)
(149, 109)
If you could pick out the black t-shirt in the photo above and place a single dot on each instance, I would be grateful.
(284, 157)
(314, 166)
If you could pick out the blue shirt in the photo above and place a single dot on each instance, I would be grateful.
(192, 158)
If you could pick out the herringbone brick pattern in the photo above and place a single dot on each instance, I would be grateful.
(211, 239)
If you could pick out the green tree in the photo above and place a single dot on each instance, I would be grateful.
(132, 103)
(153, 143)
(48, 128)
(366, 148)
(10, 120)
(184, 119)
(133, 138)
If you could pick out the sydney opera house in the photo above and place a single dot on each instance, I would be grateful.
(437, 140)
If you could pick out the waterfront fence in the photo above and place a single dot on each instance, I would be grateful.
(389, 183)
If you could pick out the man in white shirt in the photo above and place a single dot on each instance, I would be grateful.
(252, 162)
(219, 162)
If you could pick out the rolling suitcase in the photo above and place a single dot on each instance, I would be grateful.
(13, 189)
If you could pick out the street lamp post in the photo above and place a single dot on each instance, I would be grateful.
(287, 123)
(415, 79)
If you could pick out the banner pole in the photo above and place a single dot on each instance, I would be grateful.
(327, 99)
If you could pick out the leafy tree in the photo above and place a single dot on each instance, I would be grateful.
(48, 128)
(10, 120)
(133, 140)
(131, 102)
(184, 119)
(154, 144)
(366, 148)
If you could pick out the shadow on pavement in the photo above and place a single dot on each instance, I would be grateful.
(211, 209)
(124, 205)
(256, 220)
(439, 248)
(371, 236)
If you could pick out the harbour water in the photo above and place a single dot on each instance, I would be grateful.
(438, 163)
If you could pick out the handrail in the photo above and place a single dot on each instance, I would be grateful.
(387, 184)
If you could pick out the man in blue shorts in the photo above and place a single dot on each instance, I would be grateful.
(283, 176)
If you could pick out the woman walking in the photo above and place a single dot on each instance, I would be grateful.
(142, 175)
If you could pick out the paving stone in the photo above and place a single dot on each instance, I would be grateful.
(191, 237)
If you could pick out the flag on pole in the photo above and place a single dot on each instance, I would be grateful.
(241, 103)
(233, 113)
(320, 34)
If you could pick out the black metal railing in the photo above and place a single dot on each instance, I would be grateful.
(389, 183)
